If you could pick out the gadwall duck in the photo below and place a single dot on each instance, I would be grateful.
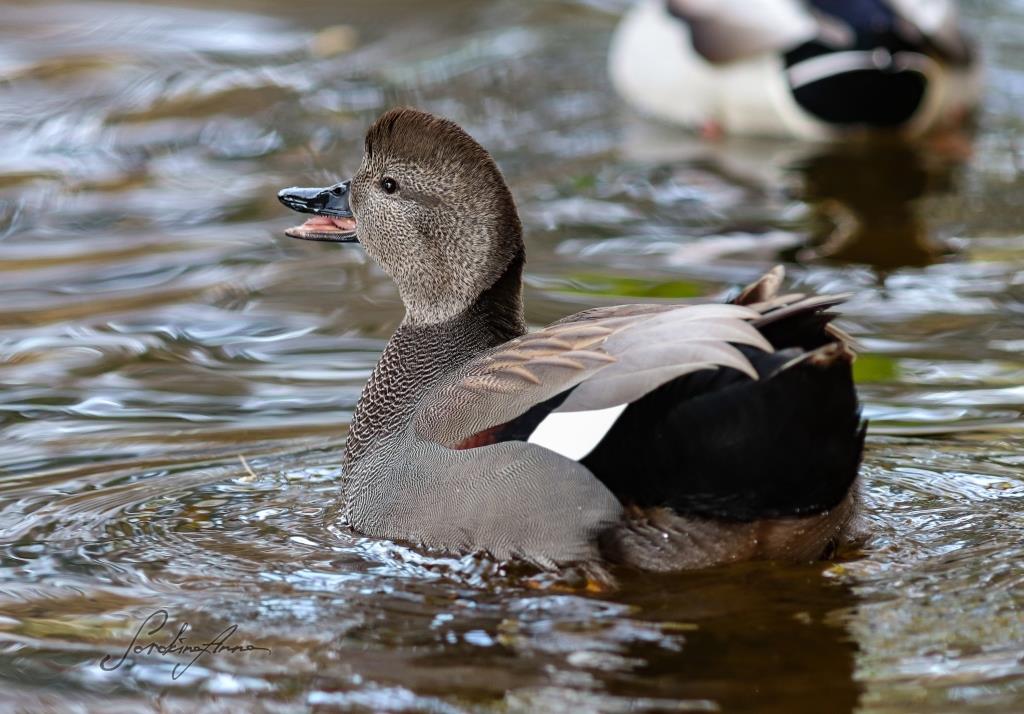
(658, 436)
(811, 69)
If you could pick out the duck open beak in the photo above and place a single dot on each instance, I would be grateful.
(332, 218)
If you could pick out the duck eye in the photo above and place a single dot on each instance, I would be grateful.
(388, 184)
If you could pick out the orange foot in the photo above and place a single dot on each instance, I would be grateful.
(712, 130)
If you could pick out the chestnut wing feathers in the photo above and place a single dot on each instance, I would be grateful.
(612, 359)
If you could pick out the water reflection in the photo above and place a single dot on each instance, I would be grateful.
(763, 630)
(865, 201)
(867, 204)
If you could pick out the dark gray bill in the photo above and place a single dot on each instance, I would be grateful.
(332, 218)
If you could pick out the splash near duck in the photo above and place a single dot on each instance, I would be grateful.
(660, 436)
(811, 69)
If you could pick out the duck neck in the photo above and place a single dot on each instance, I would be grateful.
(418, 356)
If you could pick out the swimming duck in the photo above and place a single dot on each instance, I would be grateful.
(811, 69)
(658, 436)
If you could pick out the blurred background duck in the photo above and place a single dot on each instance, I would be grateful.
(811, 69)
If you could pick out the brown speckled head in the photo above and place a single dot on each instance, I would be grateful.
(434, 211)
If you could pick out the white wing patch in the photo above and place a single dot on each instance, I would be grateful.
(575, 434)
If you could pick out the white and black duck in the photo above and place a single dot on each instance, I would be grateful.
(658, 436)
(812, 69)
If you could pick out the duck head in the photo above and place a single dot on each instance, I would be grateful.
(429, 205)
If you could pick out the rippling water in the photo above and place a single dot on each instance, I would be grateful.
(155, 326)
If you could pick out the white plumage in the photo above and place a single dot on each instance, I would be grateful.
(575, 434)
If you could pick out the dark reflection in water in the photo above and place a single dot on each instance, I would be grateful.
(765, 632)
(869, 199)
(155, 325)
